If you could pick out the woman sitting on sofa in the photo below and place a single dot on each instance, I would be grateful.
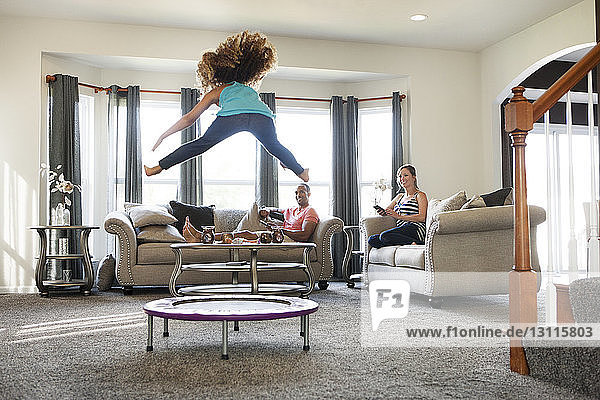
(408, 208)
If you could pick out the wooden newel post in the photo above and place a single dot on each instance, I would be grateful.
(522, 280)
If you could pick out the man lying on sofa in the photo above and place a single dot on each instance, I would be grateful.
(299, 222)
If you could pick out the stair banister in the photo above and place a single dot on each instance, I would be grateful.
(566, 82)
(520, 115)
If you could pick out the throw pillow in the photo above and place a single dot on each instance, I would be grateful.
(150, 215)
(106, 273)
(475, 202)
(158, 234)
(128, 206)
(500, 197)
(250, 220)
(227, 219)
(199, 215)
(452, 203)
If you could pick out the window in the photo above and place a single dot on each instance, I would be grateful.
(86, 149)
(539, 153)
(306, 132)
(375, 155)
(229, 168)
(155, 118)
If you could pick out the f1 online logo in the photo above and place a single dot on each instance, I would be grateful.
(389, 299)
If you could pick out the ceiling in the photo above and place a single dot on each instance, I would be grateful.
(466, 25)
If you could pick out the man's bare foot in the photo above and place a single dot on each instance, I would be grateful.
(304, 175)
(188, 236)
(192, 231)
(246, 235)
(152, 170)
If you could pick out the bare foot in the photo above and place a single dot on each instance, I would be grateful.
(282, 165)
(246, 235)
(414, 243)
(188, 236)
(152, 170)
(193, 232)
(304, 175)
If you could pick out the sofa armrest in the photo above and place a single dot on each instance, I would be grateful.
(372, 226)
(119, 224)
(327, 226)
(484, 219)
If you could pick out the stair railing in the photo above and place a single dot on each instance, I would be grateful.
(520, 115)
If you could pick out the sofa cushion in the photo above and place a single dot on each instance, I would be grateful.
(250, 220)
(452, 203)
(227, 219)
(412, 256)
(199, 215)
(384, 255)
(158, 233)
(161, 253)
(145, 215)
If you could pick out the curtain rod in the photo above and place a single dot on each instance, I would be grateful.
(52, 78)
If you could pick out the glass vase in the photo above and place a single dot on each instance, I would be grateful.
(60, 209)
(66, 217)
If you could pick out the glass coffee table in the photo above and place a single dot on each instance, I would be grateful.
(229, 308)
(235, 266)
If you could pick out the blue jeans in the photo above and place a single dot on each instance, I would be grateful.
(401, 235)
(261, 126)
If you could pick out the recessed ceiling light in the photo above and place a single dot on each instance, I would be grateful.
(418, 17)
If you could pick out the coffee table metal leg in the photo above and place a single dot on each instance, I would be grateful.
(302, 325)
(306, 329)
(253, 270)
(176, 272)
(166, 328)
(149, 343)
(224, 355)
(236, 325)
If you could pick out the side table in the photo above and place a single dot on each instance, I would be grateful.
(84, 284)
(350, 279)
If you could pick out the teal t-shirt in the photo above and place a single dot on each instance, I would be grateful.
(239, 99)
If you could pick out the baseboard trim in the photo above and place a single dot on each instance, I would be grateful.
(18, 289)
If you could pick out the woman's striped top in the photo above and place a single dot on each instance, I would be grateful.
(410, 206)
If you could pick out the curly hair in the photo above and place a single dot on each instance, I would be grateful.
(244, 57)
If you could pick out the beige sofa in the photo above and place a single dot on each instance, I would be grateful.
(151, 264)
(466, 252)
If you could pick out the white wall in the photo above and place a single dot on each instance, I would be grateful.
(444, 111)
(507, 63)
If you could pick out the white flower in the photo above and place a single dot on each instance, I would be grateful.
(381, 185)
(60, 183)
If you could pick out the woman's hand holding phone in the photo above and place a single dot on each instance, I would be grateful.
(380, 210)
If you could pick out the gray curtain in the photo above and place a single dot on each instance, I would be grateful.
(345, 193)
(64, 150)
(397, 149)
(266, 185)
(133, 147)
(190, 173)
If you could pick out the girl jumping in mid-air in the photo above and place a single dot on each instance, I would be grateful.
(227, 76)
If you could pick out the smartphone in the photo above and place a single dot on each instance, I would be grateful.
(379, 208)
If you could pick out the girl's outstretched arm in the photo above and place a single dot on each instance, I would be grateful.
(188, 119)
